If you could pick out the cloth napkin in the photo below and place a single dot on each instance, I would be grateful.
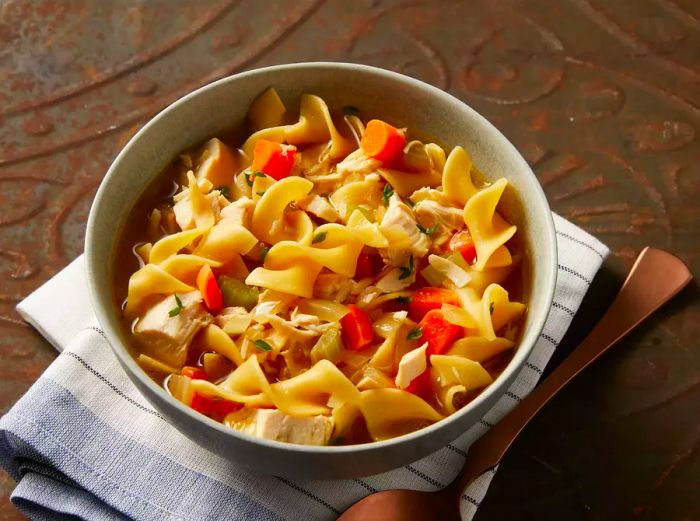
(82, 443)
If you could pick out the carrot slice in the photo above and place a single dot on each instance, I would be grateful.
(211, 293)
(273, 159)
(356, 329)
(382, 141)
(429, 298)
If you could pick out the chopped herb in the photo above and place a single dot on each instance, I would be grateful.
(319, 237)
(387, 193)
(224, 190)
(410, 203)
(262, 345)
(491, 308)
(176, 310)
(349, 110)
(406, 272)
(403, 300)
(249, 177)
(414, 334)
(261, 193)
(263, 253)
(428, 231)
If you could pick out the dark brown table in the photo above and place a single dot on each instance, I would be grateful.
(602, 97)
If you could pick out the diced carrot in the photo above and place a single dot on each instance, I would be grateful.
(356, 329)
(364, 267)
(428, 298)
(438, 332)
(382, 141)
(194, 373)
(214, 407)
(464, 244)
(208, 287)
(273, 159)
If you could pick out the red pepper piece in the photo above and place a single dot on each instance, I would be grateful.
(356, 329)
(194, 373)
(209, 288)
(428, 298)
(273, 159)
(438, 332)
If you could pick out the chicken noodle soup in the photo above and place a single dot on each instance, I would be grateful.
(329, 279)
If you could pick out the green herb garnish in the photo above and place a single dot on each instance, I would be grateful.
(491, 308)
(403, 300)
(261, 193)
(224, 190)
(407, 271)
(414, 334)
(387, 193)
(263, 253)
(176, 310)
(427, 231)
(262, 345)
(319, 237)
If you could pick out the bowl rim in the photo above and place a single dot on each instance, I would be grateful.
(129, 363)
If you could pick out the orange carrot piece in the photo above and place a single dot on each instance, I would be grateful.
(382, 141)
(464, 244)
(438, 332)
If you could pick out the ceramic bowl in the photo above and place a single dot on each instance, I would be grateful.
(377, 93)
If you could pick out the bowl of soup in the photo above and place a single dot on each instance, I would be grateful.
(321, 270)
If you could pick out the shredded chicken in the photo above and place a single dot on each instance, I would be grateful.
(357, 164)
(183, 208)
(393, 281)
(239, 211)
(399, 226)
(431, 213)
(320, 207)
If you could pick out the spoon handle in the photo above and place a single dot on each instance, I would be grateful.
(655, 277)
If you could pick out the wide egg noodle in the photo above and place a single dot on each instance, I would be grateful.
(391, 412)
(456, 177)
(151, 280)
(225, 240)
(272, 205)
(488, 229)
(315, 125)
(492, 311)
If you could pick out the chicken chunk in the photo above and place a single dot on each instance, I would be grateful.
(165, 337)
(272, 424)
(184, 215)
(399, 226)
(239, 211)
(446, 218)
(412, 365)
(320, 207)
(357, 165)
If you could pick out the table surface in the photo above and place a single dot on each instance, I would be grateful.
(602, 99)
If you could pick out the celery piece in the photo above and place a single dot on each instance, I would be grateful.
(328, 347)
(237, 294)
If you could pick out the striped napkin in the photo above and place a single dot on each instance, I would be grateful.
(84, 444)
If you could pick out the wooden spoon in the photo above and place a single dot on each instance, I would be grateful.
(654, 279)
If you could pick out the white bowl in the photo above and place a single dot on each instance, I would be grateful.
(222, 105)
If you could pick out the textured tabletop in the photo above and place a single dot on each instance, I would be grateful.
(601, 97)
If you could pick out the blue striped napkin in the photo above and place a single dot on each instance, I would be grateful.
(84, 444)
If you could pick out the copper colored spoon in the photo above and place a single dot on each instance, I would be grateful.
(654, 279)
